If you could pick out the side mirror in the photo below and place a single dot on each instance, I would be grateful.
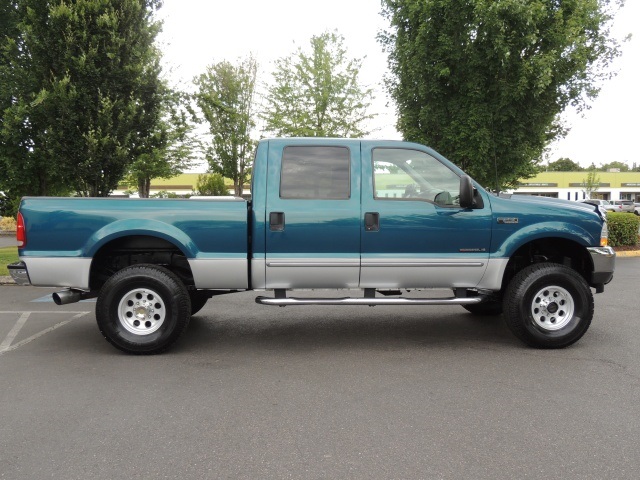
(466, 192)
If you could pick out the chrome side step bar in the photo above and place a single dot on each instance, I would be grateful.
(371, 301)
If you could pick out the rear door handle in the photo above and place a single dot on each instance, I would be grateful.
(371, 222)
(276, 221)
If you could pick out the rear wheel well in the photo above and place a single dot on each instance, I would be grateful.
(138, 249)
(550, 250)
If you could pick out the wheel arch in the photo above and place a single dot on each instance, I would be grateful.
(118, 251)
(552, 249)
(137, 228)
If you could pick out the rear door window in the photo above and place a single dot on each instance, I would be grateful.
(315, 172)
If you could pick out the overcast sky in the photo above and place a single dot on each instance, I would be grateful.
(197, 33)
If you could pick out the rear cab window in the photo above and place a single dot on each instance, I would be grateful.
(315, 173)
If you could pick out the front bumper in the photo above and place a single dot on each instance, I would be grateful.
(19, 273)
(604, 263)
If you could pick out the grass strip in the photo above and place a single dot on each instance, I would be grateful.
(7, 255)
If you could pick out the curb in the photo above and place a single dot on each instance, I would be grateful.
(628, 253)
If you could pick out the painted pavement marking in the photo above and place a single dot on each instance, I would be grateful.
(6, 343)
(14, 331)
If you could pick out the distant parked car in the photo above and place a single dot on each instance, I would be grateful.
(623, 206)
(604, 205)
(637, 208)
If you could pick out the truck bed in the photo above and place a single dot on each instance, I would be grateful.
(73, 230)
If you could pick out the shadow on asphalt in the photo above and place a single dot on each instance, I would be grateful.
(338, 334)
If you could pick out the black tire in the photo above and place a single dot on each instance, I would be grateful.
(198, 300)
(485, 309)
(548, 306)
(143, 309)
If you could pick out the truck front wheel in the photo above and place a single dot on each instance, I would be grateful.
(548, 306)
(143, 309)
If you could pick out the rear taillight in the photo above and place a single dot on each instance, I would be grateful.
(21, 232)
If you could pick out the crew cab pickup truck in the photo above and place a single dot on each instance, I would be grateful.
(374, 218)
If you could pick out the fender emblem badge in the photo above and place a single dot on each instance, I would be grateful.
(504, 220)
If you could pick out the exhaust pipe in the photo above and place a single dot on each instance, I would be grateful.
(71, 296)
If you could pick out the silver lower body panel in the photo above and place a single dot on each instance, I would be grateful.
(70, 272)
(224, 273)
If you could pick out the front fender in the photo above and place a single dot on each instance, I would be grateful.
(507, 243)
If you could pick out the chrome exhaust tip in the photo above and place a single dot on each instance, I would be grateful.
(65, 297)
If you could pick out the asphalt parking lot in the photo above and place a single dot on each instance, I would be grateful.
(319, 392)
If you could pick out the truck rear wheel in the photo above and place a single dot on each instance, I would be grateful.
(143, 309)
(548, 306)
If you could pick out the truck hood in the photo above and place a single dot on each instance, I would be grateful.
(550, 202)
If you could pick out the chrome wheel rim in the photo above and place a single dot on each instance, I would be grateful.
(552, 308)
(142, 311)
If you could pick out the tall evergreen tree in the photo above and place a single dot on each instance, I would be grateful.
(83, 77)
(485, 81)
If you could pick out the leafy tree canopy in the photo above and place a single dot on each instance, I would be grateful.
(317, 93)
(623, 167)
(564, 165)
(484, 81)
(226, 99)
(170, 148)
(78, 83)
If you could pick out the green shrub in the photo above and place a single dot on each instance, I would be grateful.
(211, 184)
(8, 224)
(623, 229)
(164, 194)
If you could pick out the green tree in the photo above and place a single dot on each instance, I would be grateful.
(82, 77)
(564, 165)
(623, 167)
(591, 183)
(24, 170)
(485, 81)
(169, 149)
(317, 93)
(226, 98)
(211, 184)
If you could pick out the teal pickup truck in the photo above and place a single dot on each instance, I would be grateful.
(374, 218)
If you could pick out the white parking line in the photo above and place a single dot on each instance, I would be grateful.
(9, 347)
(14, 331)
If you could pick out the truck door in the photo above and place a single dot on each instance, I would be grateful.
(313, 214)
(415, 234)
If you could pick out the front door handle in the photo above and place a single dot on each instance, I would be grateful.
(276, 221)
(371, 222)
